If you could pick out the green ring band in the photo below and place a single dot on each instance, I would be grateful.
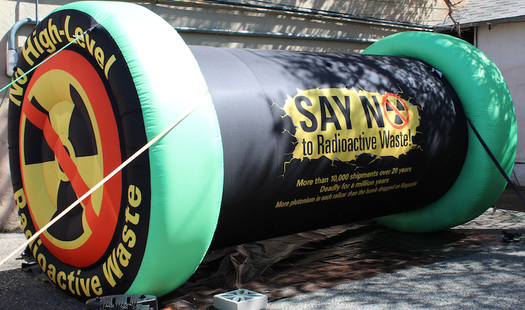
(487, 103)
(186, 166)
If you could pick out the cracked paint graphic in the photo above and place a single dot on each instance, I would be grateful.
(341, 123)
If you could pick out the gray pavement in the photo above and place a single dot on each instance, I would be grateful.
(9, 241)
(492, 278)
(24, 290)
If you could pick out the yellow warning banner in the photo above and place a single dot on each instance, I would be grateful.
(341, 123)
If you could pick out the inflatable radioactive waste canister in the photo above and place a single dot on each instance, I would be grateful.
(279, 142)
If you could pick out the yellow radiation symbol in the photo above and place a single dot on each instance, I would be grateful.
(61, 157)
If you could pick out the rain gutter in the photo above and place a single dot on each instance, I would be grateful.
(273, 35)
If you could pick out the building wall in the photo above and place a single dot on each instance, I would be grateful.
(504, 44)
(261, 26)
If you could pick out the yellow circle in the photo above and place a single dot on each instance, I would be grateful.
(53, 92)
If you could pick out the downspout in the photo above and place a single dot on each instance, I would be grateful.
(36, 10)
(12, 54)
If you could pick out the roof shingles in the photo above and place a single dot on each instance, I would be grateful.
(482, 12)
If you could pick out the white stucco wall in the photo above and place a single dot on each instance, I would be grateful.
(212, 15)
(200, 14)
(505, 45)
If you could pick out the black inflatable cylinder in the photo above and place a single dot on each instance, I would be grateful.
(246, 144)
(312, 140)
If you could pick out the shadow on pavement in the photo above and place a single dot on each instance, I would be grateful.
(308, 262)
